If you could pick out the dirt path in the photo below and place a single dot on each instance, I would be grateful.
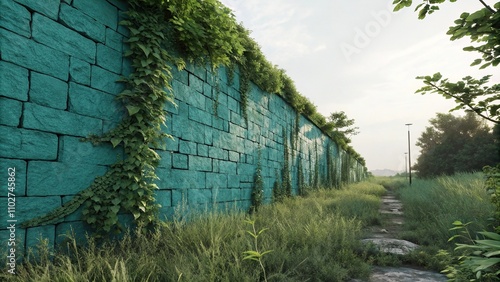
(385, 237)
(392, 218)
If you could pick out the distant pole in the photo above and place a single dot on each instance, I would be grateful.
(406, 165)
(409, 153)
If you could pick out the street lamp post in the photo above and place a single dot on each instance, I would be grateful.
(409, 152)
(406, 165)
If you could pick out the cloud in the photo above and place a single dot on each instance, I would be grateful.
(279, 27)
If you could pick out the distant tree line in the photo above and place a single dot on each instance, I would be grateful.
(457, 144)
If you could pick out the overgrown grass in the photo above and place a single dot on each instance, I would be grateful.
(431, 206)
(391, 182)
(315, 238)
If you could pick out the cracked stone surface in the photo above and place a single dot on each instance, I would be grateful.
(392, 246)
(404, 274)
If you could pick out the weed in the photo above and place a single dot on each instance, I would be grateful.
(255, 254)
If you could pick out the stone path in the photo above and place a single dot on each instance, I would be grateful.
(384, 238)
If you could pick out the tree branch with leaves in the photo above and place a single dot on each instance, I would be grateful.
(483, 28)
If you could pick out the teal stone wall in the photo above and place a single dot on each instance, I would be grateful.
(59, 63)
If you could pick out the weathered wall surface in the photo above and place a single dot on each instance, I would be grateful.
(59, 63)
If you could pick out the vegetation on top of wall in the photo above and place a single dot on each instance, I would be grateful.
(207, 32)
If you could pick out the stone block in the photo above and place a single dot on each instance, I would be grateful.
(223, 112)
(203, 150)
(121, 28)
(50, 8)
(233, 181)
(48, 91)
(237, 119)
(215, 165)
(15, 17)
(67, 231)
(246, 193)
(216, 180)
(106, 81)
(90, 102)
(180, 161)
(209, 135)
(217, 124)
(165, 158)
(194, 132)
(57, 121)
(217, 153)
(199, 196)
(224, 140)
(180, 179)
(30, 207)
(11, 111)
(79, 71)
(77, 214)
(234, 156)
(59, 37)
(100, 10)
(179, 199)
(181, 91)
(186, 147)
(19, 167)
(32, 55)
(27, 144)
(109, 58)
(237, 130)
(14, 82)
(35, 235)
(195, 83)
(233, 105)
(181, 76)
(164, 198)
(58, 178)
(235, 94)
(227, 167)
(209, 91)
(120, 4)
(223, 195)
(197, 163)
(172, 144)
(200, 116)
(127, 68)
(74, 150)
(82, 23)
(246, 169)
(114, 40)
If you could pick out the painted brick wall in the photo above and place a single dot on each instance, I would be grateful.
(59, 63)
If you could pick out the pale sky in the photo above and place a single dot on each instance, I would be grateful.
(361, 58)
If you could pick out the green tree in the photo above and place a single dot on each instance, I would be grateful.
(482, 27)
(340, 126)
(455, 144)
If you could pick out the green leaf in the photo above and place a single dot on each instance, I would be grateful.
(476, 15)
(491, 235)
(115, 141)
(132, 110)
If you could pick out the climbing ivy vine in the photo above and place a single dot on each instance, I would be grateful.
(128, 186)
(258, 186)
